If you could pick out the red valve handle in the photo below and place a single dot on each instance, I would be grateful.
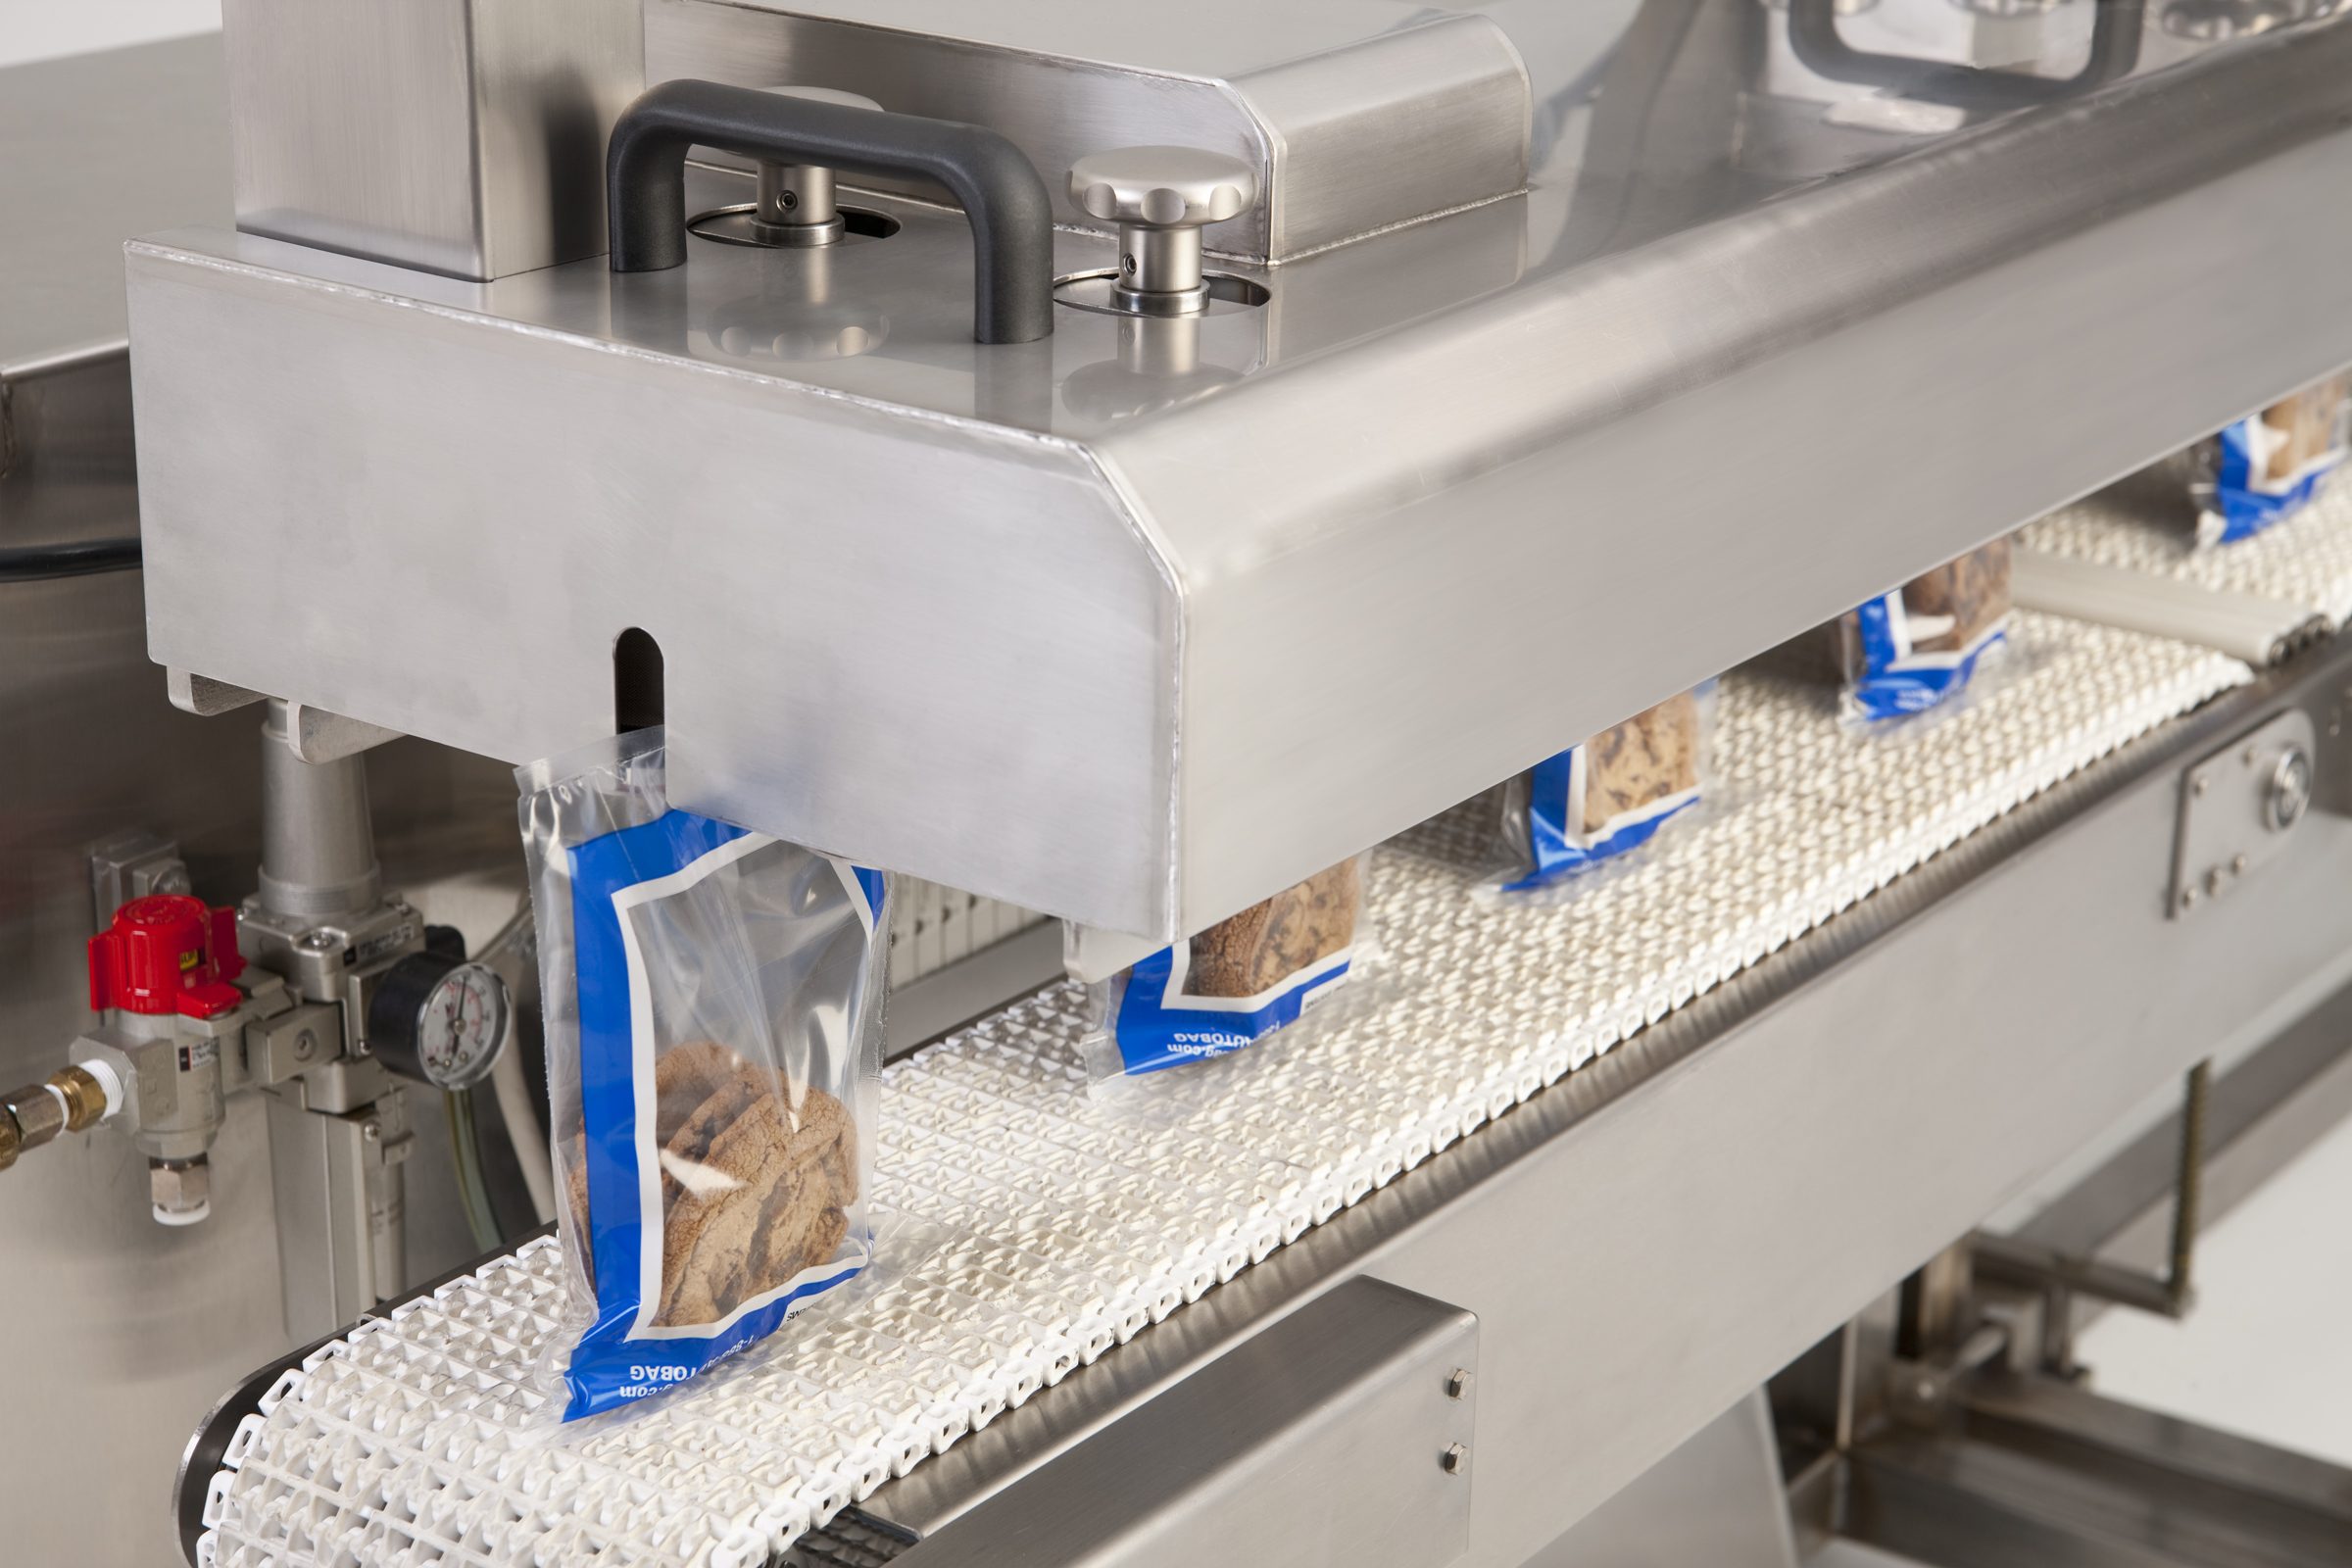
(167, 953)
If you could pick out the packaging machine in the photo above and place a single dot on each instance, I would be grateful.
(1113, 462)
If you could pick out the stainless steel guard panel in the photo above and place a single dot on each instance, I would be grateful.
(1341, 1436)
(1358, 114)
(1143, 644)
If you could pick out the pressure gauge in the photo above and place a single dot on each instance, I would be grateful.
(439, 1020)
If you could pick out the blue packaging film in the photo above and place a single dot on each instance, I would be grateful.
(1233, 983)
(2269, 466)
(1908, 651)
(1609, 794)
(712, 999)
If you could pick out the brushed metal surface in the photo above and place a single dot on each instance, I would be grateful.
(1651, 1239)
(1357, 115)
(1231, 638)
(100, 146)
(461, 136)
(1319, 1443)
(1718, 1499)
(125, 1329)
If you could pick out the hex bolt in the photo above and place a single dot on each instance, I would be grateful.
(1455, 1461)
(1458, 1383)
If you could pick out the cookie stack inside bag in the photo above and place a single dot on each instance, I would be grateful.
(1652, 756)
(1030, 1226)
(757, 1178)
(1283, 935)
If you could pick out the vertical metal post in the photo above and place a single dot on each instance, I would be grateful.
(318, 842)
(2188, 1188)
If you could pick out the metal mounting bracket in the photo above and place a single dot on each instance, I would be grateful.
(2238, 808)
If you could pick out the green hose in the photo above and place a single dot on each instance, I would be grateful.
(465, 1148)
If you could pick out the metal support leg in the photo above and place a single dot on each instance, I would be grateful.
(2060, 1277)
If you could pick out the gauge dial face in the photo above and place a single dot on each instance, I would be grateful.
(460, 1027)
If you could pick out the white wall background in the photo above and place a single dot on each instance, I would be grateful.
(41, 29)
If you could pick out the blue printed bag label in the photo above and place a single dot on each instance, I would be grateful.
(2256, 480)
(720, 1178)
(1242, 979)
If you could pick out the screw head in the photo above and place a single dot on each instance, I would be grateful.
(2237, 866)
(2215, 881)
(1458, 1383)
(305, 1045)
(1455, 1461)
(2289, 792)
(316, 941)
(2197, 785)
(2188, 898)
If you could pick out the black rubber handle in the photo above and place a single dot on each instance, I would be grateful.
(1011, 216)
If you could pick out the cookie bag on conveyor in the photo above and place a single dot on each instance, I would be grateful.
(1920, 646)
(2268, 465)
(713, 1021)
(1233, 984)
(1609, 794)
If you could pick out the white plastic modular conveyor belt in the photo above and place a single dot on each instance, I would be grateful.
(2129, 555)
(1033, 1228)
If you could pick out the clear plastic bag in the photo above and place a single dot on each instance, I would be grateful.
(1606, 796)
(713, 1021)
(1907, 652)
(2267, 466)
(1236, 982)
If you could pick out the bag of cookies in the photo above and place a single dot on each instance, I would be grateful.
(1908, 651)
(1605, 795)
(713, 1024)
(2268, 465)
(1233, 983)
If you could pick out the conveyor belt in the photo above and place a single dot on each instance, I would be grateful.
(2129, 555)
(1029, 1228)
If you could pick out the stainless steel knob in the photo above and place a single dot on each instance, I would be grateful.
(795, 205)
(1160, 197)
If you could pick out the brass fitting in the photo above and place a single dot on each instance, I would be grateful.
(71, 1100)
(38, 1114)
(84, 1097)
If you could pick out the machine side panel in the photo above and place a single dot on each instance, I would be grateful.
(1440, 557)
(857, 607)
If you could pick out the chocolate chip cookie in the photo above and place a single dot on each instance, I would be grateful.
(1650, 756)
(1973, 590)
(756, 1180)
(1256, 948)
